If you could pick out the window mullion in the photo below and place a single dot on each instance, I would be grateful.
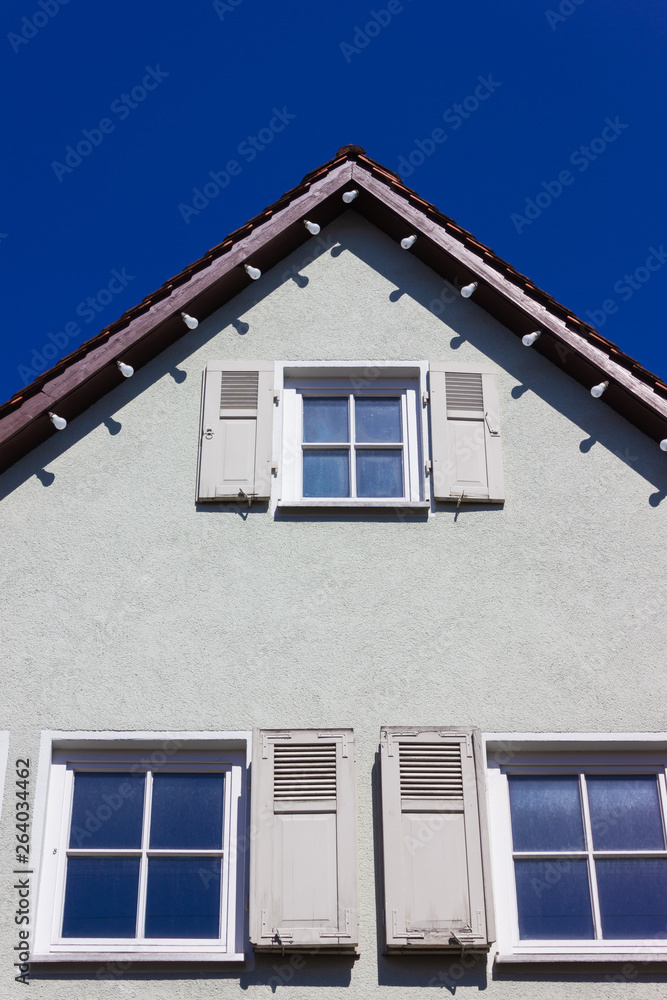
(353, 456)
(592, 875)
(143, 867)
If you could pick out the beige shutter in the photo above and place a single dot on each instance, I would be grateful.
(465, 433)
(303, 882)
(436, 873)
(236, 431)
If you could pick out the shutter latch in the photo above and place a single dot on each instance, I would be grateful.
(425, 399)
(495, 433)
(248, 496)
(427, 467)
(208, 433)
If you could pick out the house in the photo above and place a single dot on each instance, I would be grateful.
(333, 637)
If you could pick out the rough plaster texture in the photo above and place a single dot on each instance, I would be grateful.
(127, 607)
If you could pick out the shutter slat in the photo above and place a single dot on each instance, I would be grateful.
(464, 391)
(428, 770)
(238, 390)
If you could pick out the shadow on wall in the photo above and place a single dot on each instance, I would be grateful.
(166, 362)
(600, 424)
(459, 316)
(297, 969)
(625, 972)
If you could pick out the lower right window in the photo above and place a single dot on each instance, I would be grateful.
(580, 856)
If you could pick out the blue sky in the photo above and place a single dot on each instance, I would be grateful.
(557, 164)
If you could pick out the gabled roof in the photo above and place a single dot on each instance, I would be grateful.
(79, 379)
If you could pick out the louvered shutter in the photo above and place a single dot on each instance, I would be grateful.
(465, 433)
(303, 883)
(236, 431)
(436, 874)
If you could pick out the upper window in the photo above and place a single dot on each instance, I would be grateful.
(349, 434)
(140, 852)
(584, 851)
(343, 441)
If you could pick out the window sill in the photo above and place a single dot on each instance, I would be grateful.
(134, 956)
(573, 958)
(347, 504)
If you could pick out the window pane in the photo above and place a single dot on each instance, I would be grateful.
(107, 809)
(625, 812)
(377, 420)
(553, 899)
(325, 420)
(546, 813)
(187, 811)
(101, 897)
(380, 472)
(183, 898)
(326, 473)
(633, 897)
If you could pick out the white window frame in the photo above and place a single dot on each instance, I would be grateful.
(61, 755)
(558, 753)
(407, 380)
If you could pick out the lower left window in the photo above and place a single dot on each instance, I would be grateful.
(141, 852)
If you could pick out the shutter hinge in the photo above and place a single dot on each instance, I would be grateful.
(274, 468)
(276, 396)
(495, 433)
(425, 399)
(427, 467)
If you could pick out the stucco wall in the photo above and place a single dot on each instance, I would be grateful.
(128, 608)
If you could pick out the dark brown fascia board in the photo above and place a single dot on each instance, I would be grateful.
(86, 380)
(578, 356)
